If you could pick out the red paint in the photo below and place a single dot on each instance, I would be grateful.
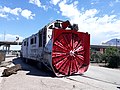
(70, 52)
(65, 24)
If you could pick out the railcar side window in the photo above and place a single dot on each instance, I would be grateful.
(51, 27)
(57, 25)
(27, 43)
(31, 41)
(24, 43)
(40, 39)
(44, 38)
(35, 39)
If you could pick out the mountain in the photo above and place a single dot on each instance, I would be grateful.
(113, 42)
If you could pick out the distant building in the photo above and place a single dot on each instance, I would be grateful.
(101, 48)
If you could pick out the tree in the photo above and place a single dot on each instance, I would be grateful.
(111, 51)
(95, 56)
(111, 56)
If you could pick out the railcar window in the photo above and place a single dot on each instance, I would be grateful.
(51, 27)
(44, 38)
(35, 39)
(27, 43)
(24, 43)
(57, 25)
(40, 39)
(31, 41)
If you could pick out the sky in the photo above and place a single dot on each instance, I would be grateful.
(22, 18)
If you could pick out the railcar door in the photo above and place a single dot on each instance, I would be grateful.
(24, 48)
(27, 48)
(40, 46)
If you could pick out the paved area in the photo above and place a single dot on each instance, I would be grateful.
(100, 78)
(31, 78)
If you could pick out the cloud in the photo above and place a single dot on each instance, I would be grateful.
(36, 2)
(117, 0)
(93, 2)
(15, 11)
(5, 12)
(55, 2)
(10, 37)
(67, 10)
(27, 14)
(3, 15)
(88, 20)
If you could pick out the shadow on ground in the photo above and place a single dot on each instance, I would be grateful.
(32, 68)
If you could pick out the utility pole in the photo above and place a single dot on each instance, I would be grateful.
(116, 42)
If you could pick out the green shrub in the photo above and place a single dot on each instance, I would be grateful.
(113, 61)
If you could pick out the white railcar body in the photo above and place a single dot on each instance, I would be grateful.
(60, 47)
(38, 47)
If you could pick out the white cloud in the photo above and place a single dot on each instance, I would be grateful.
(3, 15)
(88, 21)
(117, 0)
(93, 2)
(27, 14)
(36, 2)
(10, 37)
(75, 3)
(55, 2)
(70, 10)
(6, 11)
(15, 11)
(58, 12)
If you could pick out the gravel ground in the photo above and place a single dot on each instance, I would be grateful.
(31, 78)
